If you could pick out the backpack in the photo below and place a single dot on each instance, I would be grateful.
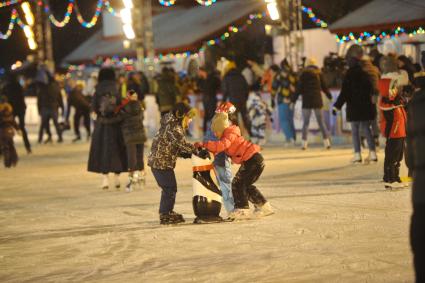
(108, 103)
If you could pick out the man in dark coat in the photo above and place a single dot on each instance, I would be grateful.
(236, 90)
(166, 91)
(208, 85)
(358, 91)
(81, 104)
(310, 86)
(15, 95)
(416, 152)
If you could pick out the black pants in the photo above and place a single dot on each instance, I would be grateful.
(135, 158)
(241, 107)
(209, 109)
(46, 115)
(21, 121)
(393, 155)
(243, 188)
(417, 240)
(166, 180)
(86, 118)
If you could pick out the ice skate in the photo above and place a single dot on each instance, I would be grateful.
(372, 158)
(264, 210)
(141, 178)
(132, 181)
(304, 145)
(240, 214)
(76, 139)
(117, 181)
(105, 182)
(170, 218)
(393, 185)
(327, 143)
(357, 158)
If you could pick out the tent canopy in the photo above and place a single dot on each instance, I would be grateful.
(174, 31)
(382, 14)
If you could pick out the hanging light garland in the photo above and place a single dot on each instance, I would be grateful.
(9, 3)
(13, 20)
(366, 36)
(167, 3)
(94, 19)
(313, 17)
(67, 17)
(206, 2)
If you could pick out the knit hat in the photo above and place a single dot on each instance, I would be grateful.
(226, 107)
(219, 123)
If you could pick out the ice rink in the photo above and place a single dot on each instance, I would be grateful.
(334, 222)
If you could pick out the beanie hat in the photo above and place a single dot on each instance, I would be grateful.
(226, 107)
(219, 123)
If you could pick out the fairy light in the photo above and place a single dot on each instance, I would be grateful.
(67, 16)
(313, 17)
(167, 3)
(94, 19)
(206, 2)
(9, 3)
(12, 23)
(366, 36)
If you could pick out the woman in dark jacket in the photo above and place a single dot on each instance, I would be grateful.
(357, 92)
(107, 149)
(310, 87)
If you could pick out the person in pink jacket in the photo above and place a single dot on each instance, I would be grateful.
(247, 154)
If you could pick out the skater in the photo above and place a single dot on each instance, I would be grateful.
(208, 84)
(258, 111)
(393, 119)
(107, 148)
(310, 85)
(81, 104)
(168, 144)
(416, 150)
(357, 91)
(7, 131)
(247, 155)
(222, 164)
(134, 138)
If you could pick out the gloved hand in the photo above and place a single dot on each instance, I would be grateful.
(198, 144)
(334, 111)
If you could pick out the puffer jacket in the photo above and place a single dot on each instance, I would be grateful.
(234, 87)
(168, 144)
(234, 145)
(310, 86)
(393, 118)
(132, 127)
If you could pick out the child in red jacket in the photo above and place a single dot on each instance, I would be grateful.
(247, 155)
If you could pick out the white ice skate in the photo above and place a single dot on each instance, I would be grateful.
(105, 182)
(357, 158)
(372, 158)
(240, 214)
(265, 210)
(394, 185)
(327, 143)
(304, 145)
(117, 181)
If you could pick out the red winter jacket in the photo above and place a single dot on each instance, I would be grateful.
(393, 116)
(234, 145)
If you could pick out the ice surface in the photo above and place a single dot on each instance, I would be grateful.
(334, 222)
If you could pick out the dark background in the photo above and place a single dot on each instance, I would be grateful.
(69, 37)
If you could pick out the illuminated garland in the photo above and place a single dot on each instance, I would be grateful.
(94, 19)
(9, 3)
(110, 9)
(313, 17)
(206, 2)
(13, 20)
(67, 17)
(366, 36)
(167, 3)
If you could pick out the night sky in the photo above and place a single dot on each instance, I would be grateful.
(68, 38)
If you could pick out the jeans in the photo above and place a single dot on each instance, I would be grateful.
(166, 180)
(286, 120)
(224, 178)
(355, 132)
(319, 118)
(243, 183)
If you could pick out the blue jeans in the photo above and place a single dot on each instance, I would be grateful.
(224, 178)
(166, 179)
(355, 132)
(319, 118)
(286, 120)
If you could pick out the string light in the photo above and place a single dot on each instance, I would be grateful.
(167, 3)
(12, 23)
(94, 19)
(67, 17)
(9, 3)
(313, 17)
(366, 36)
(206, 2)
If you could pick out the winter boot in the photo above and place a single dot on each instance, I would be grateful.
(105, 182)
(357, 158)
(264, 210)
(304, 145)
(327, 143)
(117, 181)
(390, 178)
(170, 218)
(240, 214)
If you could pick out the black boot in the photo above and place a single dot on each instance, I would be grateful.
(387, 175)
(170, 218)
